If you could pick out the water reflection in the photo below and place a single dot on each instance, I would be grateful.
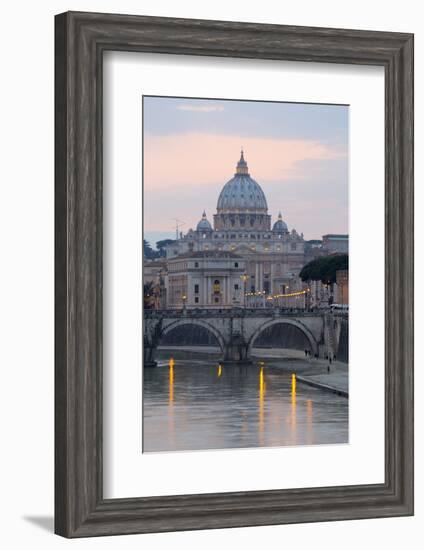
(293, 424)
(309, 417)
(192, 404)
(262, 389)
(171, 381)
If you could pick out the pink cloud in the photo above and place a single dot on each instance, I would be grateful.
(196, 159)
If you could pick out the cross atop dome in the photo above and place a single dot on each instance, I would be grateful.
(242, 165)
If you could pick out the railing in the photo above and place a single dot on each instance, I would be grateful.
(235, 312)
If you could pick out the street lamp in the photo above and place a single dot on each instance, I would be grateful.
(184, 298)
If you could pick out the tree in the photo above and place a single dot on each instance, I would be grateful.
(324, 269)
(148, 295)
(148, 251)
(160, 245)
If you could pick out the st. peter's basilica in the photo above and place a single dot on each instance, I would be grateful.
(241, 260)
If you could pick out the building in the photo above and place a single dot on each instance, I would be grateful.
(206, 278)
(154, 277)
(335, 243)
(242, 253)
(342, 287)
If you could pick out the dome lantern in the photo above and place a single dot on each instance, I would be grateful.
(242, 165)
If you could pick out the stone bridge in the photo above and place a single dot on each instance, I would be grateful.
(237, 329)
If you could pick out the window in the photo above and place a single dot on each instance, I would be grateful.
(293, 246)
(196, 300)
(196, 289)
(216, 300)
(236, 287)
(236, 264)
(216, 286)
(196, 264)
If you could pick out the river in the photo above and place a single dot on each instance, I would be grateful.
(194, 403)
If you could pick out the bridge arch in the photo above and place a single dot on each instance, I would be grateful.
(293, 322)
(195, 322)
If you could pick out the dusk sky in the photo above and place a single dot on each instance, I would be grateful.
(298, 153)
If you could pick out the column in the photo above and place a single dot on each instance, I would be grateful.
(228, 290)
(261, 276)
(204, 291)
(271, 278)
(209, 287)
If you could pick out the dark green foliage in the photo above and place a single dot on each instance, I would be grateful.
(324, 269)
(148, 251)
(148, 295)
(152, 254)
(160, 245)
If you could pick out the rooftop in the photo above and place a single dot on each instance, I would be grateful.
(335, 236)
(206, 254)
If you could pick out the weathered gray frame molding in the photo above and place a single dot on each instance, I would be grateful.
(81, 39)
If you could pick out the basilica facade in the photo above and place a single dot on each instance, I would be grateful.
(240, 259)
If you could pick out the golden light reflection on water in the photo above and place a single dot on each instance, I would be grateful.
(171, 421)
(219, 371)
(171, 380)
(293, 419)
(262, 391)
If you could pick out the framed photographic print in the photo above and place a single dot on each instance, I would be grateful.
(234, 274)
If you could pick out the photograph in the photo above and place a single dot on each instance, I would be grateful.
(245, 274)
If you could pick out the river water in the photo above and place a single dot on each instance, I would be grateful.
(194, 403)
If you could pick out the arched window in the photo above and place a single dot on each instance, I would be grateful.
(216, 286)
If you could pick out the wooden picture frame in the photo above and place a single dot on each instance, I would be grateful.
(81, 39)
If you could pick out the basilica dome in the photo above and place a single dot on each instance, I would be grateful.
(280, 226)
(242, 193)
(204, 224)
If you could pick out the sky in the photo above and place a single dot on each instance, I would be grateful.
(298, 153)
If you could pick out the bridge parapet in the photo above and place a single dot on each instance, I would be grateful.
(228, 313)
